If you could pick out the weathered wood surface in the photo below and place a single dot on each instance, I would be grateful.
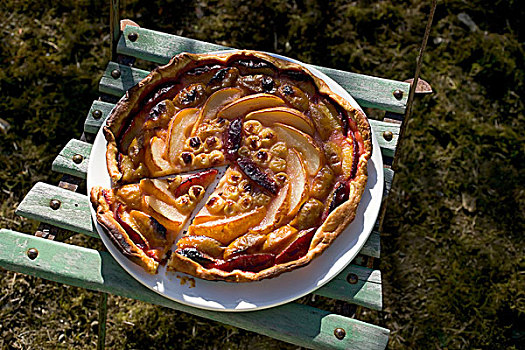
(97, 114)
(364, 282)
(387, 135)
(87, 268)
(159, 47)
(74, 214)
(117, 85)
(73, 159)
(389, 177)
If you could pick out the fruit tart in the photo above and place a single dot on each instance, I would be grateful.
(296, 154)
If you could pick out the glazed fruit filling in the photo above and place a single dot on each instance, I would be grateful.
(152, 212)
(292, 154)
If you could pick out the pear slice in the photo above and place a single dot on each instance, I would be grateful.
(302, 143)
(179, 129)
(350, 158)
(277, 210)
(166, 214)
(216, 102)
(158, 189)
(204, 244)
(204, 215)
(245, 244)
(279, 239)
(299, 184)
(154, 157)
(250, 103)
(285, 115)
(227, 229)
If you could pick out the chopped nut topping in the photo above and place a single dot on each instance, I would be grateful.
(216, 157)
(187, 158)
(252, 126)
(277, 164)
(281, 179)
(195, 142)
(253, 142)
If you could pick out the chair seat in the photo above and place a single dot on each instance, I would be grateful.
(293, 322)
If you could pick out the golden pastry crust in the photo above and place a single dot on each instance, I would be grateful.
(333, 225)
(100, 199)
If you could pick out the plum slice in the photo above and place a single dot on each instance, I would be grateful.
(248, 262)
(204, 69)
(166, 91)
(297, 248)
(257, 175)
(122, 218)
(344, 121)
(203, 179)
(355, 155)
(233, 138)
(196, 255)
(339, 195)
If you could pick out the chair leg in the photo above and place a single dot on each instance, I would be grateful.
(102, 317)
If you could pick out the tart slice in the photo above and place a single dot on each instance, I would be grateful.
(144, 219)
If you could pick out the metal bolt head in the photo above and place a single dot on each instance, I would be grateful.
(32, 253)
(78, 158)
(97, 114)
(115, 73)
(339, 333)
(387, 135)
(398, 94)
(54, 204)
(352, 278)
(133, 37)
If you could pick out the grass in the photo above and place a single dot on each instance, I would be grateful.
(453, 252)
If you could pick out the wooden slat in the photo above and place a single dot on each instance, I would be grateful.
(73, 213)
(160, 47)
(65, 161)
(87, 268)
(367, 287)
(127, 78)
(372, 247)
(92, 124)
(389, 177)
(382, 131)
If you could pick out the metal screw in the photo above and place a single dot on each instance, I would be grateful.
(339, 333)
(133, 37)
(54, 204)
(32, 253)
(115, 73)
(387, 135)
(398, 94)
(78, 158)
(352, 278)
(97, 114)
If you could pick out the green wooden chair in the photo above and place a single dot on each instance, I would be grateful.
(63, 212)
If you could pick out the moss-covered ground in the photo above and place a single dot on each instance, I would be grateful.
(453, 254)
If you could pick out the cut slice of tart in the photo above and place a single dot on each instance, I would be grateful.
(143, 220)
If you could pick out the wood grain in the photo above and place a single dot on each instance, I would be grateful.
(92, 269)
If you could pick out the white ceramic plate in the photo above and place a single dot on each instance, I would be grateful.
(224, 296)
